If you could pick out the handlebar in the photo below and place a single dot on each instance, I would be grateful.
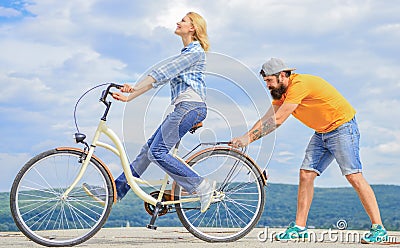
(79, 137)
(103, 98)
(105, 92)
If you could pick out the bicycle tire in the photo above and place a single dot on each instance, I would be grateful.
(40, 212)
(241, 184)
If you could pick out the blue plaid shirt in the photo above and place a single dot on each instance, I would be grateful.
(184, 71)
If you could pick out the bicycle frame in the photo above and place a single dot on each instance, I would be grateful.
(49, 219)
(134, 182)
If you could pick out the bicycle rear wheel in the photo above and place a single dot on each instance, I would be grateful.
(239, 202)
(40, 211)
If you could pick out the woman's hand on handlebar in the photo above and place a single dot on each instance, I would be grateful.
(126, 88)
(120, 97)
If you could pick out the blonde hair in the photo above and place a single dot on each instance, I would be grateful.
(200, 26)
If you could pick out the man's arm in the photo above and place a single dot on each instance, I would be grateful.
(263, 126)
(267, 124)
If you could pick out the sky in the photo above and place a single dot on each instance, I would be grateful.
(51, 52)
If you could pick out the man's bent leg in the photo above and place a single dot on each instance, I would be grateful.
(304, 196)
(366, 195)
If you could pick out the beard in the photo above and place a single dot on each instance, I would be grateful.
(277, 93)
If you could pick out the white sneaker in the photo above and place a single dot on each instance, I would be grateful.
(206, 191)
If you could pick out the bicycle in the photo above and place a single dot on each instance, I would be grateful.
(50, 206)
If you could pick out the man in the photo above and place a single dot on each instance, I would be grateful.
(321, 107)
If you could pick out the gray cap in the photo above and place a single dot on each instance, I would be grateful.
(274, 66)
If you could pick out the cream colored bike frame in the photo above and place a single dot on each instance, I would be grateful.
(133, 181)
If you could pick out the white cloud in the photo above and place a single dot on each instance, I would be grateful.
(390, 148)
(284, 157)
(9, 12)
(11, 164)
(382, 141)
(388, 29)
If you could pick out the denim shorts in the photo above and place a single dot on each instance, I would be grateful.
(341, 144)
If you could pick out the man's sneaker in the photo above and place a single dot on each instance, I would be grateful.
(206, 191)
(377, 234)
(292, 233)
(97, 193)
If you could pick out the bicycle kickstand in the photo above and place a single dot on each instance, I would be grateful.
(154, 217)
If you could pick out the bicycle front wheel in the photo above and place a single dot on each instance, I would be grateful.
(44, 214)
(239, 199)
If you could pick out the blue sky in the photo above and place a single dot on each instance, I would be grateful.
(53, 51)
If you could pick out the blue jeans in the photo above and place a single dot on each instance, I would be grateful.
(156, 150)
(341, 144)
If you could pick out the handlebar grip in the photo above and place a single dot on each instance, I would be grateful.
(118, 86)
(107, 91)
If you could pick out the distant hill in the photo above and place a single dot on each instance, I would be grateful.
(329, 206)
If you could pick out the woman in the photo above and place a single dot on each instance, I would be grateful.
(185, 73)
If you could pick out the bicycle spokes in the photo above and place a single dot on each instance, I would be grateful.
(238, 200)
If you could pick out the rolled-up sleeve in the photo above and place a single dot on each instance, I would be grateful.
(172, 68)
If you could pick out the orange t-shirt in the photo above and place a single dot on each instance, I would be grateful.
(321, 107)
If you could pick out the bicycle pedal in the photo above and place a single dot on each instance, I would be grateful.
(218, 197)
(152, 227)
